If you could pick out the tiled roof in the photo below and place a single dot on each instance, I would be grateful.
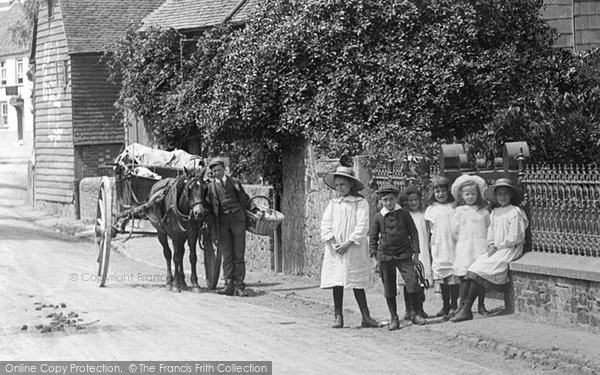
(95, 25)
(10, 17)
(245, 12)
(198, 14)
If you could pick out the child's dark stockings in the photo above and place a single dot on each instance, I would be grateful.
(445, 289)
(338, 301)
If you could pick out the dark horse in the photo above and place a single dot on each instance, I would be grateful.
(177, 210)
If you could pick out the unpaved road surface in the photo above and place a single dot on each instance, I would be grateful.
(135, 318)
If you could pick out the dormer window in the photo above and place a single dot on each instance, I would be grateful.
(50, 9)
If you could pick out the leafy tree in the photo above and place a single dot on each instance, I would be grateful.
(559, 115)
(166, 81)
(356, 76)
(379, 77)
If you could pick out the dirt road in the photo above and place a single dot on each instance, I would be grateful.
(134, 318)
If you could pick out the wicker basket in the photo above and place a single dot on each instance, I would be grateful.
(265, 221)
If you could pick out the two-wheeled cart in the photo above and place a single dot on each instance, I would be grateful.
(132, 200)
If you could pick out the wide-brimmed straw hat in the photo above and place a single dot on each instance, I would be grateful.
(468, 179)
(388, 189)
(490, 194)
(343, 172)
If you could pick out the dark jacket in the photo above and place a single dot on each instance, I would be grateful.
(212, 198)
(393, 236)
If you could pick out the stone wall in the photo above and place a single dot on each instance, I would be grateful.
(559, 288)
(293, 207)
(558, 299)
(305, 197)
(259, 249)
(317, 198)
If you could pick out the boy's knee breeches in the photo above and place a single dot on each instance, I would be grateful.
(387, 270)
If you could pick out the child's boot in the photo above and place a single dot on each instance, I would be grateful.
(463, 291)
(417, 303)
(509, 297)
(481, 303)
(407, 306)
(394, 321)
(338, 320)
(445, 289)
(361, 299)
(422, 299)
(465, 313)
(454, 292)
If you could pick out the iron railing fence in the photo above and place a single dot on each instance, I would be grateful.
(563, 201)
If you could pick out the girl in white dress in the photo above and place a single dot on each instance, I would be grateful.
(469, 226)
(344, 231)
(439, 215)
(412, 201)
(506, 237)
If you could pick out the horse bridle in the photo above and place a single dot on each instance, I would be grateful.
(188, 185)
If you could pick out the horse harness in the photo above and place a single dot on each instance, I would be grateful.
(168, 195)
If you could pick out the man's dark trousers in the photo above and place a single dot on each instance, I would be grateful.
(232, 241)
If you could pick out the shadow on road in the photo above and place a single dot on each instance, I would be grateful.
(292, 289)
(10, 232)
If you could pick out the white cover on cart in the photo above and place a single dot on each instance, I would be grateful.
(144, 155)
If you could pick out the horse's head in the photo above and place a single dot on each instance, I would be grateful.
(194, 193)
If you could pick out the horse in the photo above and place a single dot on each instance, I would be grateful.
(177, 210)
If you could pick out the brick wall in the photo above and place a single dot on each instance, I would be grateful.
(90, 160)
(557, 299)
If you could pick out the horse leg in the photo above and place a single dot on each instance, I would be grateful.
(192, 238)
(179, 249)
(164, 241)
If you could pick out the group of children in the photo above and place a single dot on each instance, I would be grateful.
(456, 242)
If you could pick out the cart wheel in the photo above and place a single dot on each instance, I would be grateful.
(103, 228)
(212, 259)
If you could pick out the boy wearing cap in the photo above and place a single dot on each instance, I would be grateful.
(227, 199)
(394, 242)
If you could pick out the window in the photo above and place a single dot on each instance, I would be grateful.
(50, 9)
(19, 72)
(61, 69)
(2, 73)
(4, 114)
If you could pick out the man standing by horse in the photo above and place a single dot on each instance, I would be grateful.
(227, 199)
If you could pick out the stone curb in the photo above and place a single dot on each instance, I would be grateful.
(547, 359)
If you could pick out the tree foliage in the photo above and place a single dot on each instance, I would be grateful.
(365, 76)
(559, 115)
(362, 75)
